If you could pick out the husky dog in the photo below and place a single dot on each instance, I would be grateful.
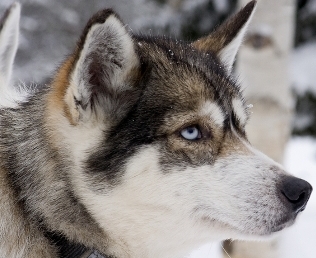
(138, 149)
(9, 37)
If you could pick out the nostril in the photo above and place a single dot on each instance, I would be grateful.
(294, 200)
(300, 199)
(296, 192)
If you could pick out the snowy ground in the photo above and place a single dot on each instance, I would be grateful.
(302, 68)
(299, 240)
(300, 160)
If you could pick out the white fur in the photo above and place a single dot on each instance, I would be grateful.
(229, 52)
(79, 82)
(143, 215)
(166, 211)
(152, 213)
(213, 111)
(240, 110)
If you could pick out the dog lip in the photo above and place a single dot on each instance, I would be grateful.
(301, 209)
(281, 227)
(284, 222)
(279, 224)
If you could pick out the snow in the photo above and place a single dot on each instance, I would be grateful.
(5, 3)
(212, 250)
(29, 24)
(190, 5)
(221, 5)
(70, 16)
(302, 68)
(299, 240)
(300, 160)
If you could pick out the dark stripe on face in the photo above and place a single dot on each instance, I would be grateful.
(160, 94)
(138, 128)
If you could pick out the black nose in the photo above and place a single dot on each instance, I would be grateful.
(297, 192)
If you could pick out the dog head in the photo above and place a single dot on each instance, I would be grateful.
(155, 128)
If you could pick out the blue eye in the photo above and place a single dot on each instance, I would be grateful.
(191, 133)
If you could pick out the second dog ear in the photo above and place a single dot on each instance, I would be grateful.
(227, 38)
(9, 37)
(104, 68)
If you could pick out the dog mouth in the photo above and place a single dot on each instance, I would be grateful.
(257, 230)
(284, 222)
(276, 225)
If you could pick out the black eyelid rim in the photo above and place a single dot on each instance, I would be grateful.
(236, 124)
(188, 126)
(205, 134)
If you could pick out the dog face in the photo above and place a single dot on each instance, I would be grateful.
(156, 130)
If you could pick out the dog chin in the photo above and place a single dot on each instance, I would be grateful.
(258, 233)
(268, 233)
(286, 222)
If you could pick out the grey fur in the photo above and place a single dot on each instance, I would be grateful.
(163, 81)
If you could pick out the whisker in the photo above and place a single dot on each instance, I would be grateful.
(225, 251)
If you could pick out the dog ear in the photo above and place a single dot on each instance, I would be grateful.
(226, 39)
(104, 70)
(9, 37)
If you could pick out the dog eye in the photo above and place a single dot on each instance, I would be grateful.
(191, 133)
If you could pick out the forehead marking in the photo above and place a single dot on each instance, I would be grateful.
(239, 110)
(213, 111)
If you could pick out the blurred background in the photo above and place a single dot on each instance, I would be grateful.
(277, 66)
(50, 28)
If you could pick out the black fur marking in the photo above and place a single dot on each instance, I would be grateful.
(66, 249)
(138, 128)
(235, 23)
(99, 18)
(33, 164)
(141, 124)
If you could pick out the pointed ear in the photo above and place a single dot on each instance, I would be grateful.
(105, 67)
(9, 37)
(226, 39)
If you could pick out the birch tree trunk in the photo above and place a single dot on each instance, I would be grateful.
(263, 69)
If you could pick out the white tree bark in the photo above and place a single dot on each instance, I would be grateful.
(262, 67)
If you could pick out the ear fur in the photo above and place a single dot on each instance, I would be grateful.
(9, 37)
(227, 38)
(106, 64)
